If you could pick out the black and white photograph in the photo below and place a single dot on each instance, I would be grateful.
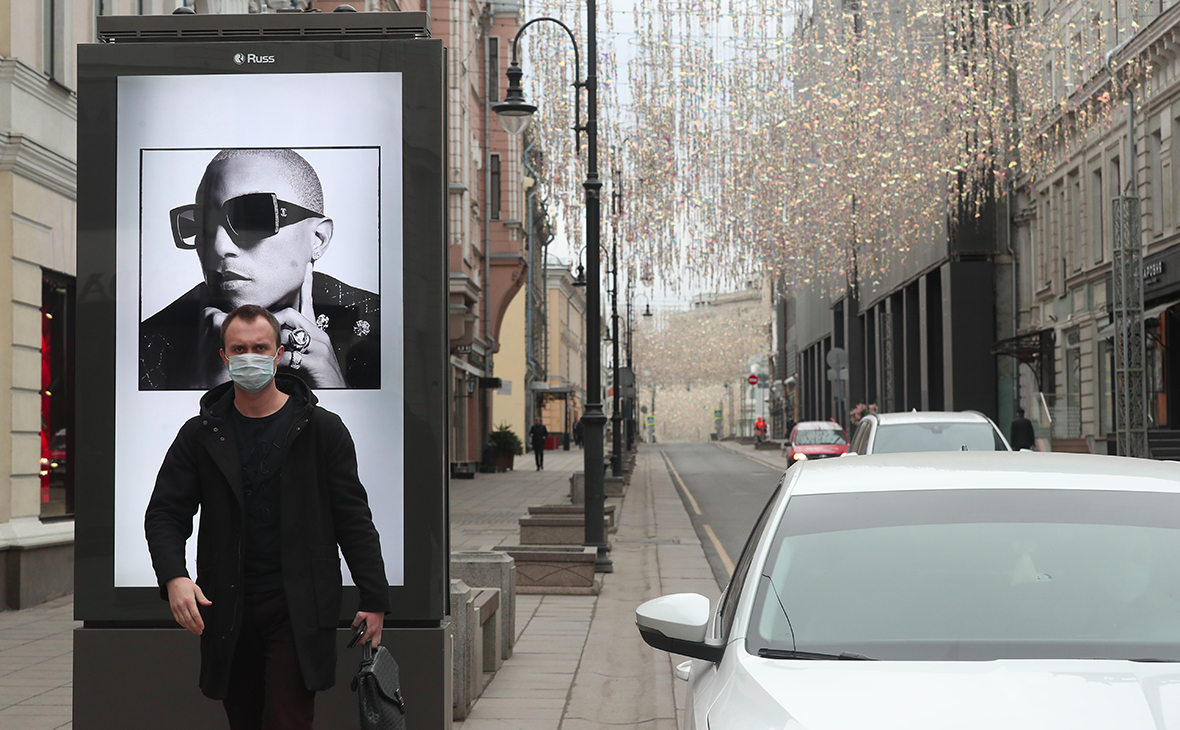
(248, 201)
(261, 226)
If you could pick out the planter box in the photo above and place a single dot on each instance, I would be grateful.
(614, 486)
(558, 510)
(552, 529)
(568, 570)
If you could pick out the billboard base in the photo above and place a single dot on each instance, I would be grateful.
(145, 679)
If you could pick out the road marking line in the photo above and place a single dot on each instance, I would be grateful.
(754, 459)
(695, 508)
(720, 550)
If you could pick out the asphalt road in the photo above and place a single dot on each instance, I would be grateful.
(723, 492)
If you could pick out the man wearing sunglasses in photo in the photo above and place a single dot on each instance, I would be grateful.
(258, 228)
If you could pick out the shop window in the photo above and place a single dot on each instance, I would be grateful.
(57, 395)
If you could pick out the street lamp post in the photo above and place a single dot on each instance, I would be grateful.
(515, 114)
(616, 417)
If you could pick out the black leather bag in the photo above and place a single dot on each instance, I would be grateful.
(378, 687)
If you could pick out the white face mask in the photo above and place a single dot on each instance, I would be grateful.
(251, 372)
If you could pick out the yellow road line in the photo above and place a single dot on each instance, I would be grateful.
(695, 507)
(720, 550)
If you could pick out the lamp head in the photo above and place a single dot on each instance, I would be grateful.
(580, 279)
(647, 311)
(514, 113)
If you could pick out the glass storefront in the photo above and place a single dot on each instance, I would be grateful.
(57, 395)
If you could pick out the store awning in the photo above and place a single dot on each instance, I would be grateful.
(1108, 331)
(1026, 347)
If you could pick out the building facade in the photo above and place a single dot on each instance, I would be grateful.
(486, 250)
(1065, 232)
(560, 398)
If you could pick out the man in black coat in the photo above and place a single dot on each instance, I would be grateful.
(537, 435)
(1021, 435)
(275, 479)
(258, 228)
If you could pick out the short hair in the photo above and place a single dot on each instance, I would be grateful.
(297, 172)
(1020, 411)
(248, 313)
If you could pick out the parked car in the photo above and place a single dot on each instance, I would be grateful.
(889, 433)
(815, 440)
(943, 590)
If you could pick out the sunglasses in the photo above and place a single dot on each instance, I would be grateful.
(248, 217)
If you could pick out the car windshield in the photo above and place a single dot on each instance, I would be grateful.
(903, 437)
(974, 575)
(819, 436)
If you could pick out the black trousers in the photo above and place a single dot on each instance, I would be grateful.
(539, 453)
(266, 690)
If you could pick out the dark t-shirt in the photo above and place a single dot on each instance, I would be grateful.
(260, 451)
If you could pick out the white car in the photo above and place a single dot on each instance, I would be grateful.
(944, 590)
(890, 433)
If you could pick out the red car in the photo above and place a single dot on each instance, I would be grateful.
(815, 440)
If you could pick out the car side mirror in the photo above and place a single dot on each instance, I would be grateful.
(677, 623)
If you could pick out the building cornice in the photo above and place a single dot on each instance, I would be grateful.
(33, 161)
(25, 78)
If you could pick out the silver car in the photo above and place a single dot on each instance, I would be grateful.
(891, 433)
(929, 591)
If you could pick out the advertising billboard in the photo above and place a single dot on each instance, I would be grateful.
(320, 166)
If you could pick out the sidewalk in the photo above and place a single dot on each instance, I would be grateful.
(579, 662)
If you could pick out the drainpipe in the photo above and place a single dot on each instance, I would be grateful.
(488, 363)
(530, 292)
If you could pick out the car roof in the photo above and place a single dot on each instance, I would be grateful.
(930, 417)
(932, 470)
(817, 425)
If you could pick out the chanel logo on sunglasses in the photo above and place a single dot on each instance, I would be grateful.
(243, 58)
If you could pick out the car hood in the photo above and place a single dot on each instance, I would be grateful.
(1012, 695)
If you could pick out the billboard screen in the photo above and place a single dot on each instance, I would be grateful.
(250, 141)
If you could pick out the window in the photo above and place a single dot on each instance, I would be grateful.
(1077, 63)
(972, 575)
(1155, 145)
(1097, 215)
(494, 191)
(57, 395)
(1076, 241)
(727, 611)
(493, 69)
(1105, 390)
(1175, 158)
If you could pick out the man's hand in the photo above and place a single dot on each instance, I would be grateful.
(318, 359)
(374, 623)
(183, 597)
(210, 368)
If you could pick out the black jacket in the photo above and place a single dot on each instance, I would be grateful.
(1022, 435)
(323, 505)
(169, 339)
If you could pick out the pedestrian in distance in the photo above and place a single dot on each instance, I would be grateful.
(579, 431)
(274, 476)
(537, 435)
(1021, 434)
